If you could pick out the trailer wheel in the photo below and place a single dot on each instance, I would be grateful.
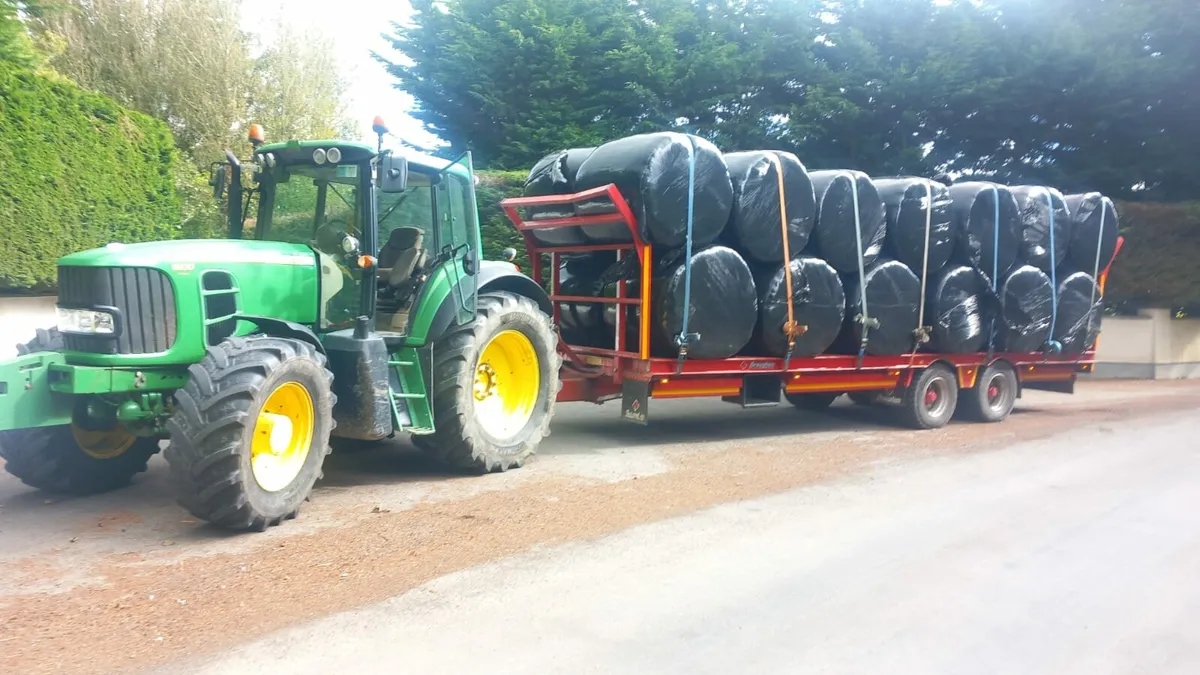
(930, 400)
(71, 459)
(993, 396)
(815, 402)
(495, 382)
(251, 431)
(866, 398)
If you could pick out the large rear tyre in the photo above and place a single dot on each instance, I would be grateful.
(814, 402)
(251, 431)
(930, 400)
(71, 459)
(495, 381)
(993, 396)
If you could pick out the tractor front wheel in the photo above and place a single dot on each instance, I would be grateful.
(495, 381)
(250, 431)
(72, 459)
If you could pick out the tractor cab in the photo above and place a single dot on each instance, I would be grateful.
(384, 225)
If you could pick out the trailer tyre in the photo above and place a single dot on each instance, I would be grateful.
(813, 402)
(70, 459)
(251, 431)
(993, 396)
(929, 402)
(495, 381)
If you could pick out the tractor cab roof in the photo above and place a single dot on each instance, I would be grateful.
(295, 152)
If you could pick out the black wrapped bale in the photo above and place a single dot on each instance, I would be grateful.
(834, 237)
(1093, 230)
(651, 171)
(1026, 304)
(893, 296)
(1039, 207)
(554, 174)
(754, 224)
(818, 304)
(913, 205)
(724, 304)
(981, 241)
(954, 310)
(586, 324)
(1079, 310)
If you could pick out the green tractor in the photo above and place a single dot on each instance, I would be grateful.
(351, 305)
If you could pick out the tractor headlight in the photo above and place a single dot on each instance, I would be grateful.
(334, 155)
(86, 321)
(319, 156)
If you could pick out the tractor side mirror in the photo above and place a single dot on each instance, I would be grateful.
(393, 173)
(216, 180)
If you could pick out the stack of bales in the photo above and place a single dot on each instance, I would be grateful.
(877, 266)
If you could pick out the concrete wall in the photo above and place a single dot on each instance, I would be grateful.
(20, 318)
(1149, 346)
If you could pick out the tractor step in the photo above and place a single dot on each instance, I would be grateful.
(411, 407)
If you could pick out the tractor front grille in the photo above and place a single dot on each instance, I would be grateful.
(144, 297)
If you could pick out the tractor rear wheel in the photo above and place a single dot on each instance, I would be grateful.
(495, 381)
(72, 459)
(251, 431)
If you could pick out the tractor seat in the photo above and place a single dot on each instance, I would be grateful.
(402, 255)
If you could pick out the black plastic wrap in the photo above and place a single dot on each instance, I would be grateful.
(1034, 203)
(954, 309)
(834, 239)
(818, 304)
(651, 171)
(724, 303)
(979, 240)
(554, 174)
(754, 228)
(1025, 310)
(893, 296)
(586, 324)
(1079, 309)
(909, 208)
(1086, 233)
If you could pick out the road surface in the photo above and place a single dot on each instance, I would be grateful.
(1074, 554)
(717, 540)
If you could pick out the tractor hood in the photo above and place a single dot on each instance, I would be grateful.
(182, 255)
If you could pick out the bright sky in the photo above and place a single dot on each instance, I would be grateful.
(356, 28)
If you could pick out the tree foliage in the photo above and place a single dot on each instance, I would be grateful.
(189, 63)
(1084, 94)
(80, 172)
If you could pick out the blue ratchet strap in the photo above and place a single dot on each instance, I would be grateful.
(685, 338)
(1096, 268)
(1052, 345)
(995, 265)
(864, 316)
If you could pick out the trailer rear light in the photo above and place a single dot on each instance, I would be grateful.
(86, 322)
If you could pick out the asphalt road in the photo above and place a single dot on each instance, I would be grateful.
(1072, 554)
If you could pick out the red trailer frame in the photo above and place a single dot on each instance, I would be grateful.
(601, 374)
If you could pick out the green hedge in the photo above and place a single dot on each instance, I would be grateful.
(1159, 264)
(495, 228)
(77, 171)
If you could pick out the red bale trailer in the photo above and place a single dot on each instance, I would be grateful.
(930, 386)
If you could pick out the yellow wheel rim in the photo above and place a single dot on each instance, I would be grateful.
(282, 436)
(507, 380)
(105, 444)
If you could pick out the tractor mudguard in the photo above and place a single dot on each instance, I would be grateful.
(26, 399)
(493, 276)
(284, 329)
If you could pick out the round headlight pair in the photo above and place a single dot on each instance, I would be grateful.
(332, 155)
